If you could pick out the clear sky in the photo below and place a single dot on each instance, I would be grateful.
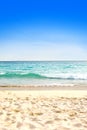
(43, 30)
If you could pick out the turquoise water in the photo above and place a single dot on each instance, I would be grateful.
(43, 73)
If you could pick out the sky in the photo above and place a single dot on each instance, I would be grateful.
(43, 30)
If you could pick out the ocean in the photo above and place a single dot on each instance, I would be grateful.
(43, 73)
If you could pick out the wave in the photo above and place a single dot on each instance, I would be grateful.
(39, 76)
(21, 75)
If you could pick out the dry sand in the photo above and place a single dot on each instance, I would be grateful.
(40, 110)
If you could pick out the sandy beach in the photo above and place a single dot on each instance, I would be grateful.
(40, 110)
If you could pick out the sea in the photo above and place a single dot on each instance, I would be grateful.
(26, 73)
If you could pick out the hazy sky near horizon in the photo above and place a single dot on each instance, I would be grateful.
(43, 30)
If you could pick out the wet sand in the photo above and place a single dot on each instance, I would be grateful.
(45, 87)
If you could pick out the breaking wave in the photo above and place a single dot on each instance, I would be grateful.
(43, 76)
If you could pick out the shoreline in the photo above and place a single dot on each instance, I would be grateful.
(43, 87)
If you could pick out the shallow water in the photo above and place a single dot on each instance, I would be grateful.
(43, 72)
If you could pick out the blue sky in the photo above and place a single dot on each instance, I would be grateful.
(43, 30)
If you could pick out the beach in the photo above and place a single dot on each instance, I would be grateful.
(43, 95)
(43, 65)
(43, 109)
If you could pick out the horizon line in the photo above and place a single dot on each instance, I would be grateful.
(40, 60)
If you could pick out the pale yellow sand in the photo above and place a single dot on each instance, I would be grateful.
(40, 110)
